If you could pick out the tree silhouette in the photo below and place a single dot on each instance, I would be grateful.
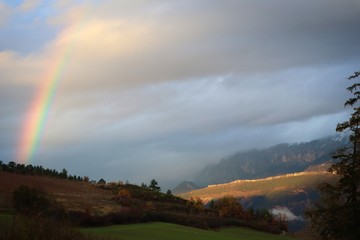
(102, 181)
(337, 214)
(154, 186)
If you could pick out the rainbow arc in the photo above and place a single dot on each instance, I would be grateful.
(36, 118)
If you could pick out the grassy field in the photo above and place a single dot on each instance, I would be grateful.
(159, 231)
(6, 220)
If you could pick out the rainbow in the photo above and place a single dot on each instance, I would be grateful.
(39, 110)
(36, 118)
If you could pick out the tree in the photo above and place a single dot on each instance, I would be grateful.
(336, 214)
(86, 179)
(154, 186)
(228, 206)
(11, 166)
(196, 204)
(102, 181)
(64, 173)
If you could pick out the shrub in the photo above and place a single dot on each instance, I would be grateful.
(32, 201)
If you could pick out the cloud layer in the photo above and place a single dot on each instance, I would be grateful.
(159, 89)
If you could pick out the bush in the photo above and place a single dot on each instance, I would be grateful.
(228, 206)
(39, 218)
(32, 201)
(41, 228)
(27, 199)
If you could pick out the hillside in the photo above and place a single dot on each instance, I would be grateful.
(271, 187)
(289, 193)
(273, 161)
(73, 195)
(90, 204)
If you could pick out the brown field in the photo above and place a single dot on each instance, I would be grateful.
(73, 195)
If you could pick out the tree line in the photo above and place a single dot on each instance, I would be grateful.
(13, 167)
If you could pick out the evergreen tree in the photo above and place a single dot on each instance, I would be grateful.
(337, 214)
(63, 174)
(102, 181)
(143, 185)
(154, 186)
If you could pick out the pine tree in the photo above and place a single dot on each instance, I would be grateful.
(337, 214)
(154, 186)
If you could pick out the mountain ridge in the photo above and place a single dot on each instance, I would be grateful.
(276, 160)
(291, 193)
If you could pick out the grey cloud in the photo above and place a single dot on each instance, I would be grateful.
(183, 83)
(189, 40)
(172, 158)
(200, 106)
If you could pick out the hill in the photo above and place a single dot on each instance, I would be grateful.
(288, 194)
(100, 204)
(273, 161)
(271, 187)
(73, 195)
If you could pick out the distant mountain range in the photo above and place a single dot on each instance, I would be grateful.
(185, 186)
(282, 178)
(272, 161)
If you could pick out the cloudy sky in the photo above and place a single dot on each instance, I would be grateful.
(159, 89)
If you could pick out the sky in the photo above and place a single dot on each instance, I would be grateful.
(135, 90)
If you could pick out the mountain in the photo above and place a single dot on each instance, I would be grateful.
(287, 194)
(273, 188)
(272, 161)
(185, 186)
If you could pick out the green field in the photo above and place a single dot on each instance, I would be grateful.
(6, 220)
(166, 231)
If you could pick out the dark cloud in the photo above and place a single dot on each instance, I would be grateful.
(191, 40)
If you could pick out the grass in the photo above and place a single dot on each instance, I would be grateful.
(159, 231)
(6, 221)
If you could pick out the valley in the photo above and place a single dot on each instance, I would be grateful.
(98, 204)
